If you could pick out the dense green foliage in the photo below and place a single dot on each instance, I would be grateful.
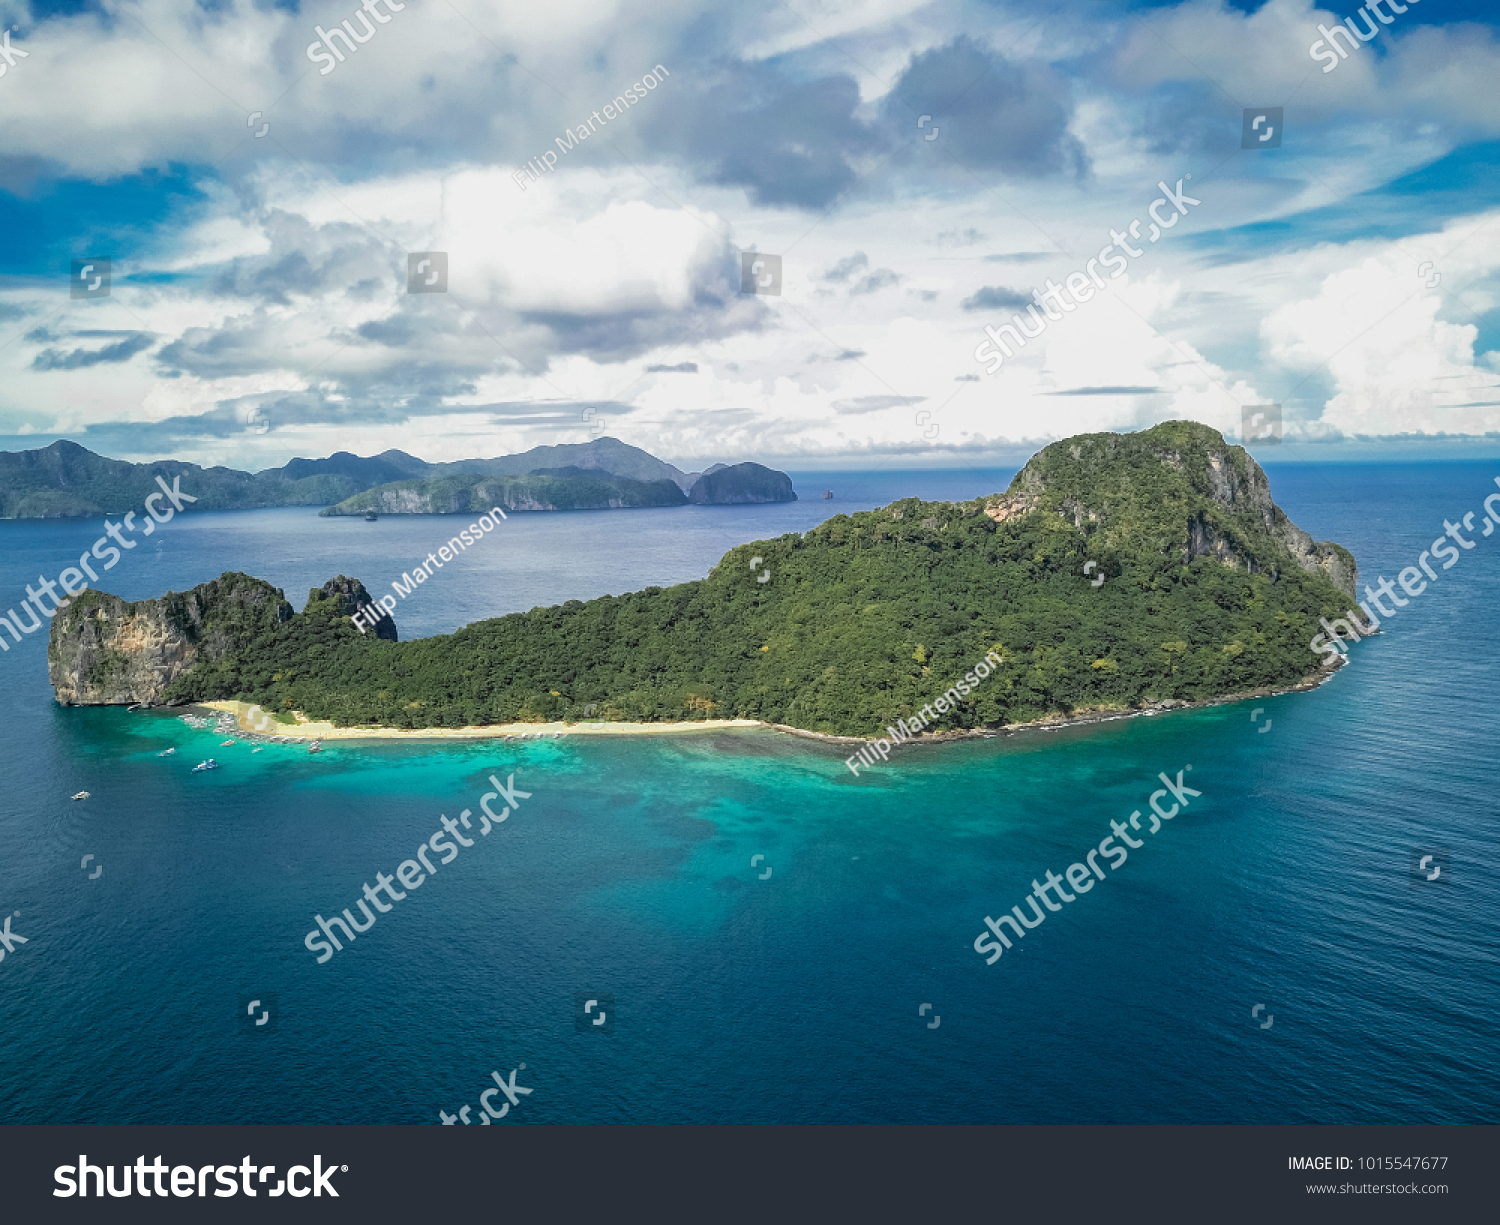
(872, 615)
(742, 483)
(468, 493)
(65, 480)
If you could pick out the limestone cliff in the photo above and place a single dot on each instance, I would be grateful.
(105, 651)
(1178, 486)
(351, 596)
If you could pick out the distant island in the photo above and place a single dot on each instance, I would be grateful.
(1117, 572)
(567, 488)
(65, 480)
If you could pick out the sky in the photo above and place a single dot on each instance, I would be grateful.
(919, 171)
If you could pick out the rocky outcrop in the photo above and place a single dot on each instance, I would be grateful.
(351, 597)
(1001, 509)
(1209, 499)
(105, 651)
(739, 484)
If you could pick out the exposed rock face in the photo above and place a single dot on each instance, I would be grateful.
(352, 596)
(741, 483)
(1220, 492)
(1001, 509)
(105, 651)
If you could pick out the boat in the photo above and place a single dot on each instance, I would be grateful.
(315, 747)
(82, 795)
(166, 752)
(371, 516)
(257, 750)
(210, 764)
(226, 744)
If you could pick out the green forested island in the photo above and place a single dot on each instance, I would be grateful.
(465, 493)
(1208, 590)
(65, 480)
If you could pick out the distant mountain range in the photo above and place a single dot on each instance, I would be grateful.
(66, 480)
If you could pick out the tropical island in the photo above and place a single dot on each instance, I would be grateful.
(566, 488)
(1118, 572)
(66, 481)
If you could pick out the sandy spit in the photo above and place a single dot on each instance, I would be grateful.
(262, 724)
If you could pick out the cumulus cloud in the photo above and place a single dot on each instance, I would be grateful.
(1000, 115)
(1398, 354)
(77, 359)
(847, 267)
(266, 276)
(881, 278)
(996, 297)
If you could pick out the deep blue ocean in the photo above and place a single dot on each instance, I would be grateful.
(732, 995)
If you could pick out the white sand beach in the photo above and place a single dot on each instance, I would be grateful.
(305, 729)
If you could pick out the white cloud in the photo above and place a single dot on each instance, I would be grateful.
(288, 277)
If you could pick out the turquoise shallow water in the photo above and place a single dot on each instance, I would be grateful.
(628, 874)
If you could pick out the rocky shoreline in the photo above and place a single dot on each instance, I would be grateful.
(1079, 719)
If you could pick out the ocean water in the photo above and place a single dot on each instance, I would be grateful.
(784, 988)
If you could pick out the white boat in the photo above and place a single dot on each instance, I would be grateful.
(226, 744)
(82, 795)
(210, 764)
(315, 747)
(166, 752)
